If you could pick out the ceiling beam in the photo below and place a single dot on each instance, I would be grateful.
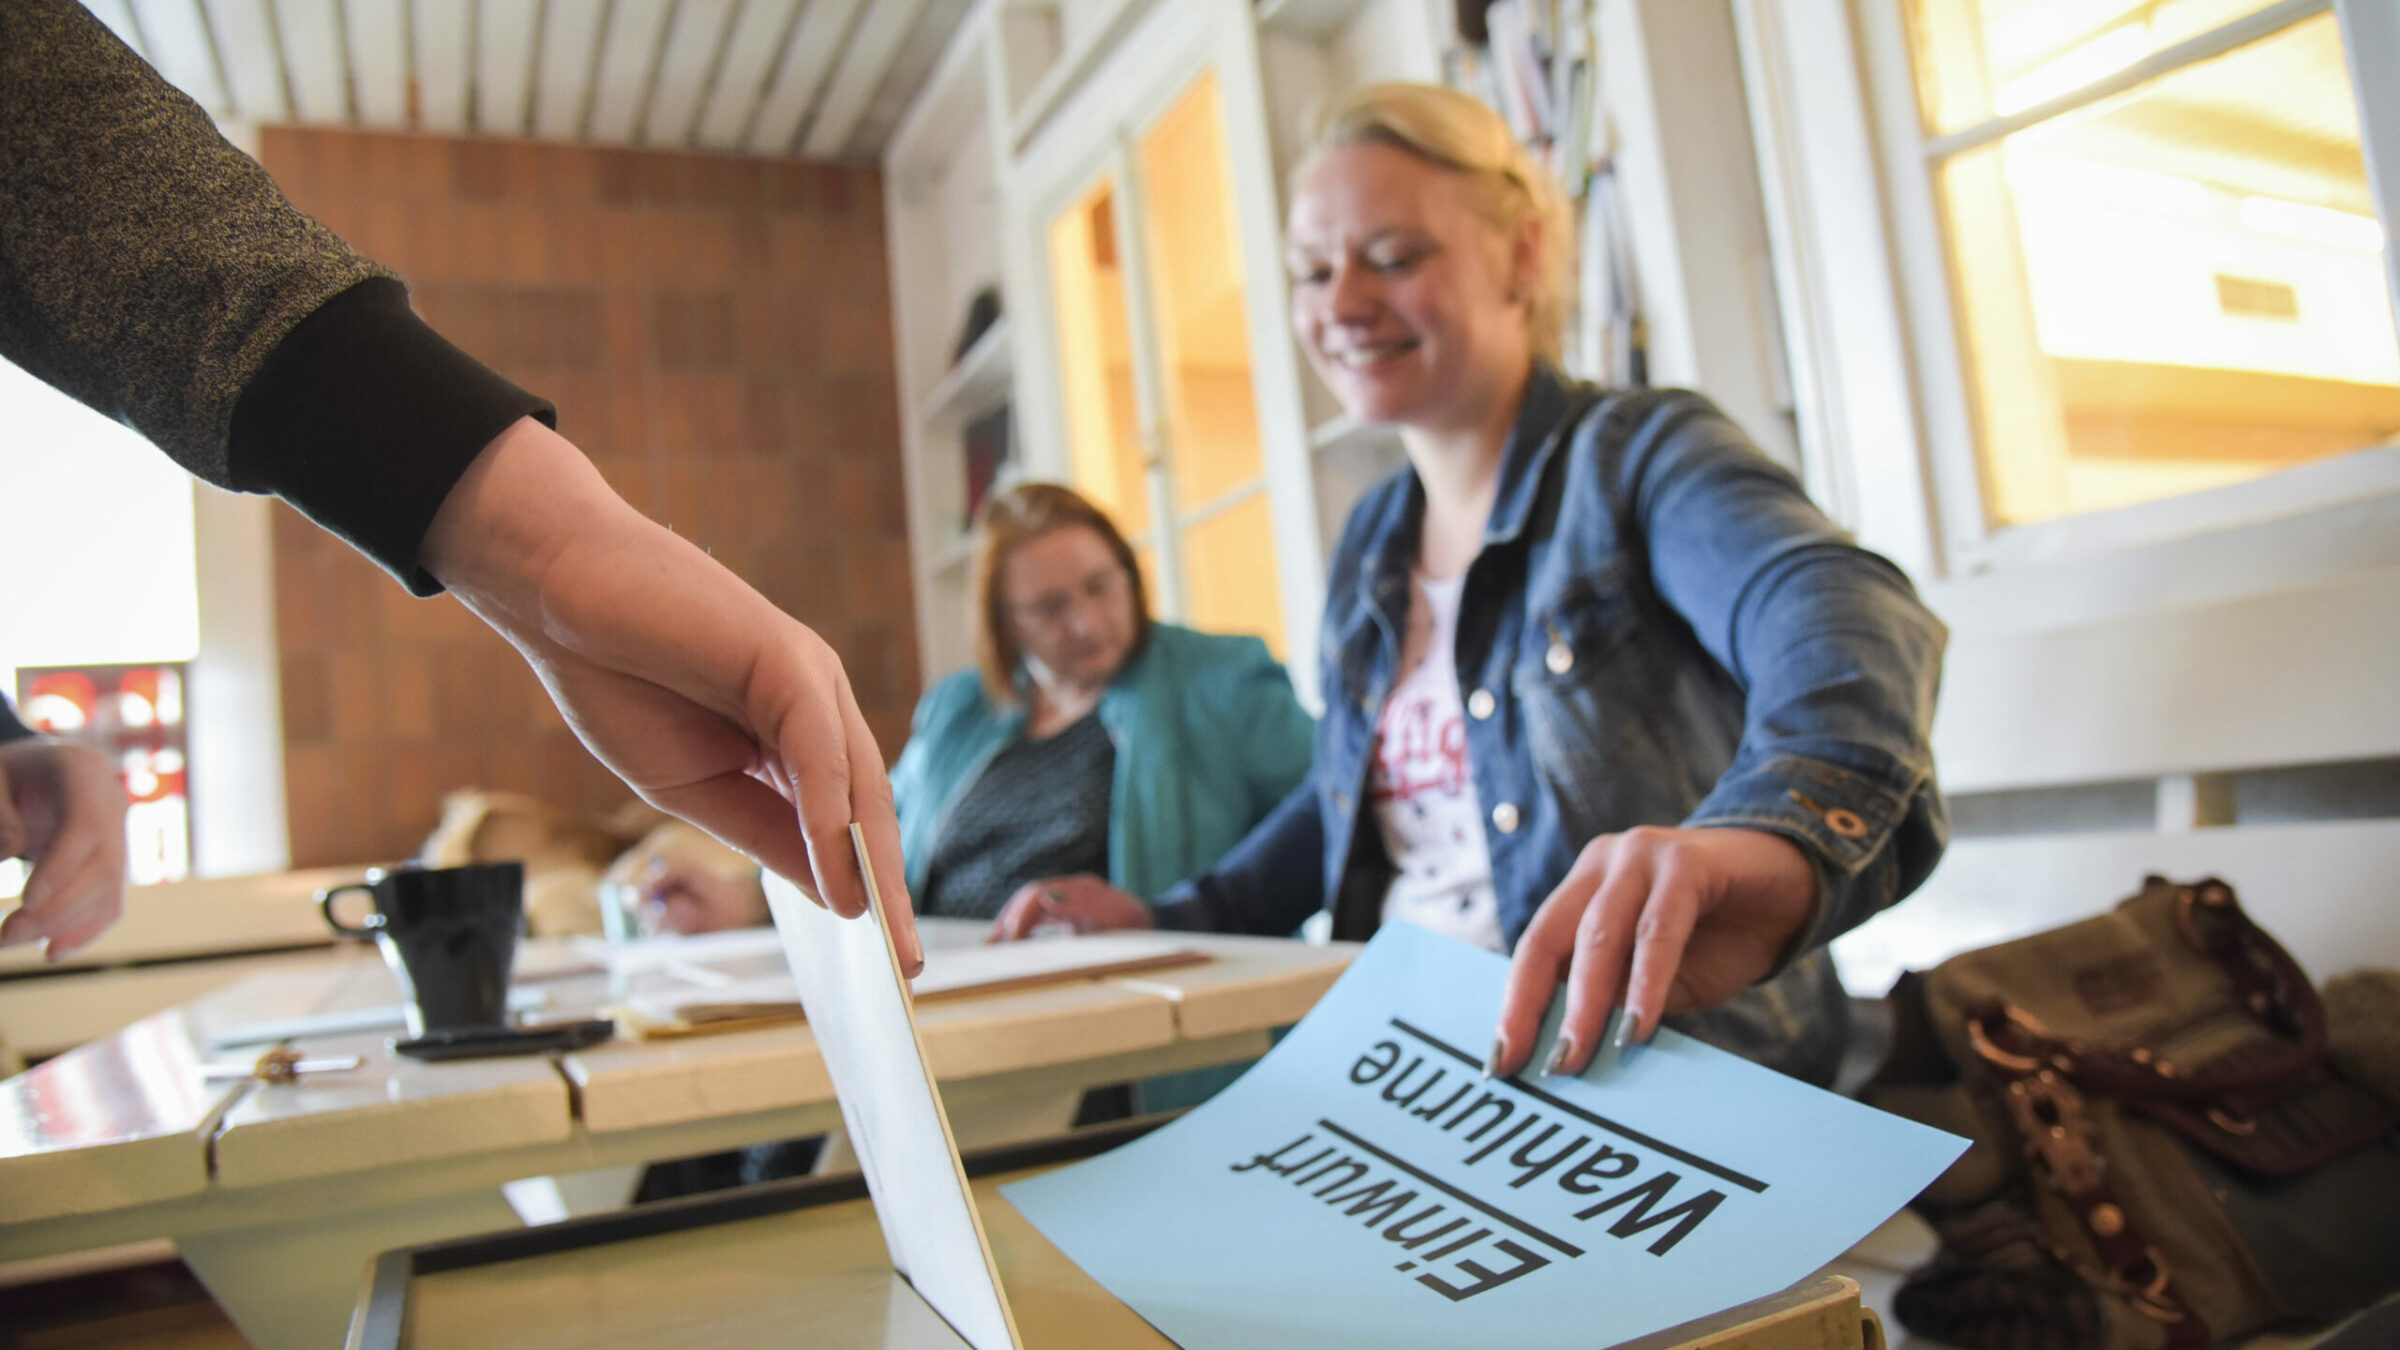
(376, 32)
(178, 43)
(507, 34)
(816, 40)
(118, 15)
(562, 90)
(245, 34)
(628, 58)
(444, 44)
(927, 47)
(687, 63)
(869, 55)
(759, 36)
(316, 60)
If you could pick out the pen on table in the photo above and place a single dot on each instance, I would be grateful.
(279, 1066)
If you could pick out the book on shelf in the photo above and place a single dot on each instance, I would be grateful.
(987, 450)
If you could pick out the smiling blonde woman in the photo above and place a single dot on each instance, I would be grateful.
(1604, 689)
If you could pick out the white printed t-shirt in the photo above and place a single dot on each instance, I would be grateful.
(1420, 786)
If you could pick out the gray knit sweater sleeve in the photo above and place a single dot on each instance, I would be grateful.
(146, 267)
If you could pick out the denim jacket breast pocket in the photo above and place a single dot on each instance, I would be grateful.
(1600, 683)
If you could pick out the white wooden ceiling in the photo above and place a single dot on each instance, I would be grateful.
(822, 79)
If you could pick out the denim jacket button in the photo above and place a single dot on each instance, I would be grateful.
(1560, 659)
(1480, 704)
(1504, 818)
(1846, 823)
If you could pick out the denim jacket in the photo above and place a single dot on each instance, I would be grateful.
(1208, 739)
(1661, 629)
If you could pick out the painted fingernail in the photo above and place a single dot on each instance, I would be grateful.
(1562, 1053)
(1628, 1024)
(1491, 1064)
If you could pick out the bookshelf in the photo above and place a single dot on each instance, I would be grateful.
(944, 210)
(976, 384)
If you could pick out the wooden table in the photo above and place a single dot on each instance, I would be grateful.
(804, 1263)
(278, 1195)
(176, 941)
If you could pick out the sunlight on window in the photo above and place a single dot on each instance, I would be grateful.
(95, 538)
(2173, 288)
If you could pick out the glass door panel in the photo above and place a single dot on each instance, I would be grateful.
(1196, 283)
(1214, 459)
(1095, 350)
(1229, 568)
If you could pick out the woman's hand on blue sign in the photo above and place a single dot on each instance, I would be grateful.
(1655, 921)
(1591, 646)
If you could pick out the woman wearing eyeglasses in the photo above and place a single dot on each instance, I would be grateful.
(1092, 750)
(1092, 745)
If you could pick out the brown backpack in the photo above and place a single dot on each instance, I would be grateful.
(2164, 1152)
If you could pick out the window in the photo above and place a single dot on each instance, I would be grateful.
(2164, 255)
(97, 572)
(135, 716)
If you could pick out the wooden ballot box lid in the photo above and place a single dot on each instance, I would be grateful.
(802, 1262)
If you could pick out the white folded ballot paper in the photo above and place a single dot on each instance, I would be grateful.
(850, 983)
(1365, 1184)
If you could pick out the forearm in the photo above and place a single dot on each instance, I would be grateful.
(1835, 752)
(1273, 737)
(533, 540)
(1837, 659)
(1269, 884)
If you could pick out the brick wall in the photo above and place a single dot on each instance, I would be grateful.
(716, 334)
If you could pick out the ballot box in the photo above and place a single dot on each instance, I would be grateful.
(803, 1263)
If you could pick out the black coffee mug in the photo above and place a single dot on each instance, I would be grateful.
(448, 933)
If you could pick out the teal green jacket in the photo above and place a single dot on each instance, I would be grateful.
(1209, 739)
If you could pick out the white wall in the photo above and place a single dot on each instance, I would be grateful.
(238, 820)
(95, 538)
(111, 555)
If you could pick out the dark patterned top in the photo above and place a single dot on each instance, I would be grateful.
(1039, 809)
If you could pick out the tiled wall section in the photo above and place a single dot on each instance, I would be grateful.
(716, 334)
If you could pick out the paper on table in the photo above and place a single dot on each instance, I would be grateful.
(346, 1021)
(1365, 1184)
(950, 972)
(849, 980)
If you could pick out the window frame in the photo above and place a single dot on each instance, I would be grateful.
(1883, 330)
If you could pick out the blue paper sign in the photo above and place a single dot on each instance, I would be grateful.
(1365, 1184)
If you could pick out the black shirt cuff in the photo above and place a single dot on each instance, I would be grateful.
(364, 418)
(10, 728)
